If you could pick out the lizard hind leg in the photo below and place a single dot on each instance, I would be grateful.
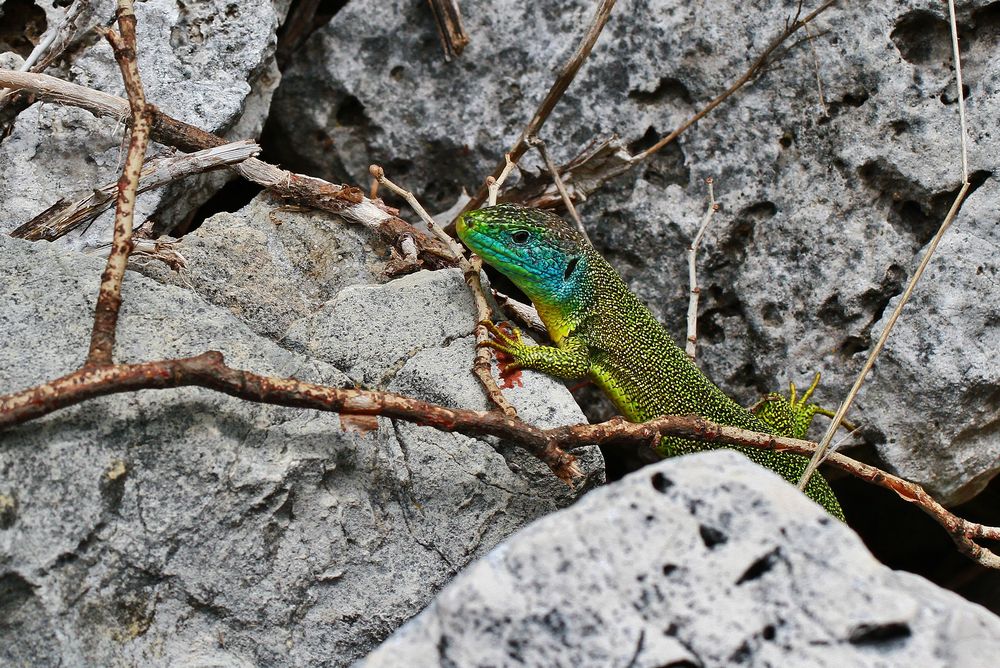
(789, 416)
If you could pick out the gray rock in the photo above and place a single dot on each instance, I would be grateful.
(941, 359)
(272, 265)
(185, 527)
(670, 567)
(207, 62)
(825, 207)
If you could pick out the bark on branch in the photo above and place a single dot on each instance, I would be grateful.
(109, 300)
(63, 217)
(209, 370)
(346, 201)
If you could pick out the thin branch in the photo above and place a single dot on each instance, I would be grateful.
(819, 79)
(63, 217)
(559, 86)
(50, 89)
(692, 320)
(554, 172)
(481, 366)
(55, 41)
(960, 91)
(448, 20)
(208, 370)
(606, 159)
(493, 183)
(346, 201)
(838, 417)
(109, 300)
(756, 68)
(599, 162)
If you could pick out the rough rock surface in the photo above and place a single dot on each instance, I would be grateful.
(184, 527)
(825, 206)
(668, 568)
(207, 62)
(272, 265)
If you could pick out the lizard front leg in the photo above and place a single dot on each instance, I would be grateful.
(569, 361)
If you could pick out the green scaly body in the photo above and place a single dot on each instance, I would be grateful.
(602, 331)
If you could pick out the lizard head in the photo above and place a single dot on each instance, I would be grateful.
(537, 250)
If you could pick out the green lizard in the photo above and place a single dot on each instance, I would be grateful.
(602, 331)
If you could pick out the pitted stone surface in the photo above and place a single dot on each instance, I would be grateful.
(670, 566)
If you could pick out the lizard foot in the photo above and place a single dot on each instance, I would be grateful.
(510, 344)
(791, 416)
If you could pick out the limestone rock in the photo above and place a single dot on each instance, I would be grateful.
(187, 527)
(827, 197)
(670, 566)
(207, 62)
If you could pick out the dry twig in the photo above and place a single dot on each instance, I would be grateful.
(102, 338)
(525, 314)
(756, 68)
(692, 320)
(481, 366)
(559, 86)
(63, 217)
(55, 41)
(604, 159)
(493, 183)
(554, 173)
(819, 78)
(346, 201)
(208, 370)
(599, 162)
(161, 249)
(448, 20)
(838, 417)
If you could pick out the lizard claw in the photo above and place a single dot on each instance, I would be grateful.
(789, 416)
(508, 343)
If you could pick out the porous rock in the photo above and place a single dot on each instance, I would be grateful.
(184, 527)
(670, 567)
(209, 63)
(832, 171)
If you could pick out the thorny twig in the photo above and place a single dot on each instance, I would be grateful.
(209, 370)
(63, 217)
(102, 338)
(481, 366)
(554, 172)
(346, 201)
(838, 417)
(691, 348)
(559, 86)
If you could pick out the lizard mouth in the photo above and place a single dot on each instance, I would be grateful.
(481, 243)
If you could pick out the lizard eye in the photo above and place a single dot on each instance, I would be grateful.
(520, 237)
